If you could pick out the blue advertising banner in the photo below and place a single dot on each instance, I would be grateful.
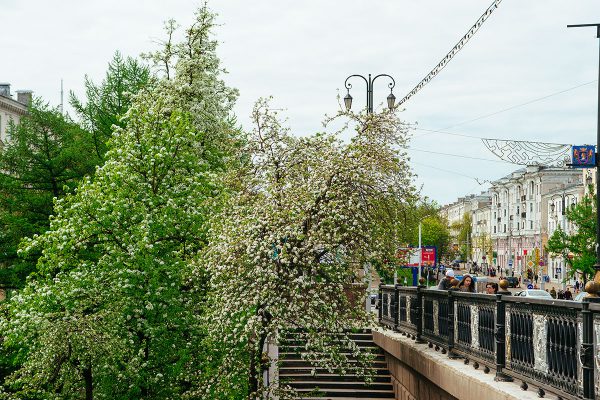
(583, 156)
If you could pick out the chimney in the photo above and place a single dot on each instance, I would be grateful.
(5, 89)
(24, 97)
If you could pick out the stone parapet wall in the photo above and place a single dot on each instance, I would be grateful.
(421, 373)
(410, 385)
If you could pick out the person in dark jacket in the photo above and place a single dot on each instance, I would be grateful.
(445, 283)
(568, 294)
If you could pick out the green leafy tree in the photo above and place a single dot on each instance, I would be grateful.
(434, 232)
(581, 243)
(289, 243)
(113, 312)
(107, 102)
(463, 237)
(45, 157)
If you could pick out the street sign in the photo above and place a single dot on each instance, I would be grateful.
(510, 263)
(530, 286)
(530, 263)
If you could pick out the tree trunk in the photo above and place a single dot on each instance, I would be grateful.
(89, 387)
(256, 366)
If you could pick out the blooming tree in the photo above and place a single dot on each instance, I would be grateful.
(286, 249)
(110, 313)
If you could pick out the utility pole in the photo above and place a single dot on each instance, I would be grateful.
(597, 264)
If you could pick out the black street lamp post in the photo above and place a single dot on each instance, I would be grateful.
(391, 99)
(597, 264)
(587, 344)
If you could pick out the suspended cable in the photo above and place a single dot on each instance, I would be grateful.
(457, 47)
(505, 109)
(479, 181)
(481, 137)
(460, 156)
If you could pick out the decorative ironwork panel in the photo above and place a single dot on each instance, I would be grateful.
(597, 352)
(487, 323)
(428, 325)
(464, 324)
(414, 310)
(408, 309)
(435, 314)
(442, 317)
(521, 340)
(388, 305)
(402, 308)
(545, 343)
(561, 351)
(476, 326)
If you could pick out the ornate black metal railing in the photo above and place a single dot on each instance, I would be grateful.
(545, 343)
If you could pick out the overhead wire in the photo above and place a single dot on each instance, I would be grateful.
(450, 55)
(443, 130)
(460, 156)
(478, 180)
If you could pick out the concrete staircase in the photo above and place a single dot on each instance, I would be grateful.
(296, 372)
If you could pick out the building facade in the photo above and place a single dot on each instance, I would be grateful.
(511, 223)
(11, 110)
(520, 217)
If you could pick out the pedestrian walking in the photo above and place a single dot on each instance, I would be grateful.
(560, 295)
(577, 286)
(553, 292)
(568, 294)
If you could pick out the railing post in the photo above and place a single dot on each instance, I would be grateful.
(380, 303)
(396, 306)
(419, 321)
(501, 340)
(451, 317)
(587, 350)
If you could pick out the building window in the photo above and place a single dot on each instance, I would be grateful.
(530, 224)
(531, 207)
(494, 228)
(504, 228)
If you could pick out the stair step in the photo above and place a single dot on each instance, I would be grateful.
(339, 385)
(298, 356)
(302, 343)
(300, 371)
(336, 378)
(352, 393)
(305, 363)
(341, 398)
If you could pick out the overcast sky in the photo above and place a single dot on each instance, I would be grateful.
(300, 52)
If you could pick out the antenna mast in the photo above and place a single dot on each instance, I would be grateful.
(61, 96)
